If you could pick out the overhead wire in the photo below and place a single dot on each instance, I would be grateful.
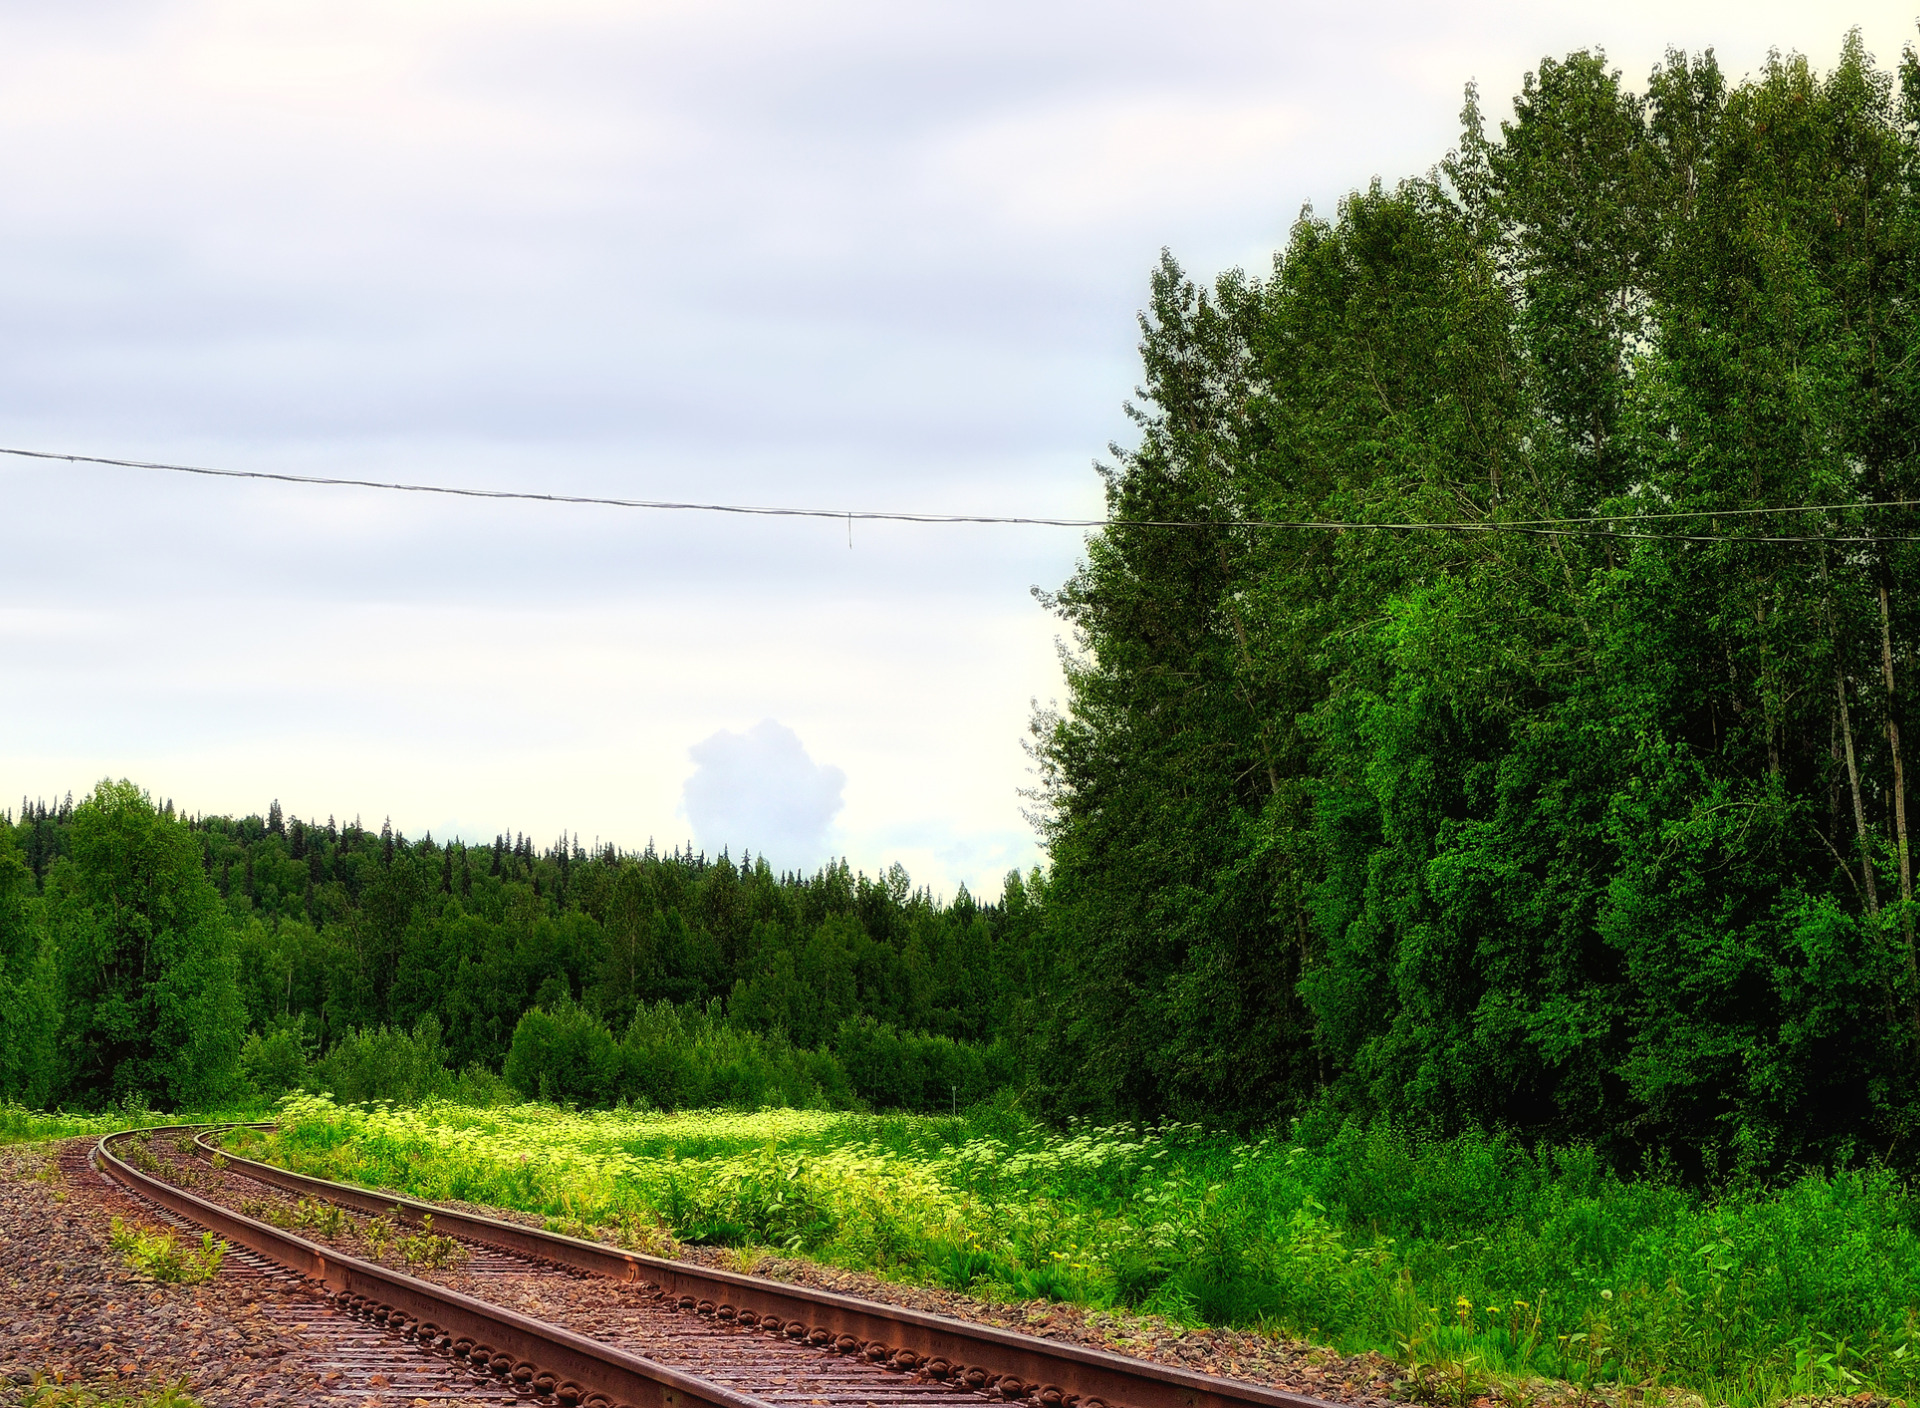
(1539, 527)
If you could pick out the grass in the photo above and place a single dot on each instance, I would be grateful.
(19, 1125)
(47, 1392)
(1472, 1261)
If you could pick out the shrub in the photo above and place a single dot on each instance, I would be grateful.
(566, 1055)
(386, 1063)
(275, 1062)
(891, 1070)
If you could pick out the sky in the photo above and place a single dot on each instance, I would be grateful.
(873, 256)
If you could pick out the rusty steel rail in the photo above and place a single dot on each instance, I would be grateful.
(543, 1358)
(1021, 1368)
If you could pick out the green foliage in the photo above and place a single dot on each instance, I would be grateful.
(428, 1250)
(325, 1218)
(150, 1006)
(379, 1063)
(19, 1125)
(277, 1060)
(29, 986)
(901, 1071)
(382, 968)
(380, 1233)
(690, 1057)
(50, 1392)
(382, 1063)
(566, 1055)
(159, 1253)
(1601, 838)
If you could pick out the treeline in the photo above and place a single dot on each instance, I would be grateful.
(145, 954)
(1583, 816)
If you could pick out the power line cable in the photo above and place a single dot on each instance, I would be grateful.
(1539, 527)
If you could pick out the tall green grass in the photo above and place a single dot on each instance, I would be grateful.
(19, 1125)
(1463, 1258)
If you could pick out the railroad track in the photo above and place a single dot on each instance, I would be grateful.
(617, 1329)
(339, 1351)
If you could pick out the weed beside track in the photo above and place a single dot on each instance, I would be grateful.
(160, 1253)
(51, 1393)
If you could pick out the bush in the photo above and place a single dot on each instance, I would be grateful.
(275, 1062)
(692, 1057)
(566, 1056)
(671, 1057)
(896, 1071)
(377, 1063)
(386, 1063)
(478, 1086)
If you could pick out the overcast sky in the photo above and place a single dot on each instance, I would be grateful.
(882, 256)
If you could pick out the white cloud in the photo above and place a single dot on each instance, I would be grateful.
(759, 791)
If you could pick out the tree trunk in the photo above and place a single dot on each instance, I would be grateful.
(1899, 772)
(1853, 782)
(1246, 691)
(1899, 802)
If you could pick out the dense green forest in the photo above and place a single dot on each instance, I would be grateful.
(148, 955)
(1585, 818)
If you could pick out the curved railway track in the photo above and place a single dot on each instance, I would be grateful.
(638, 1331)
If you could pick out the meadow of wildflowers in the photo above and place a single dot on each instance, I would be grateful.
(1465, 1257)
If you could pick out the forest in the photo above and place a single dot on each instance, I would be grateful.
(1575, 806)
(153, 957)
(1486, 711)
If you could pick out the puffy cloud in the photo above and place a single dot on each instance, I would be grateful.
(760, 791)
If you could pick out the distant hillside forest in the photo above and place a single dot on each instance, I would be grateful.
(182, 960)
